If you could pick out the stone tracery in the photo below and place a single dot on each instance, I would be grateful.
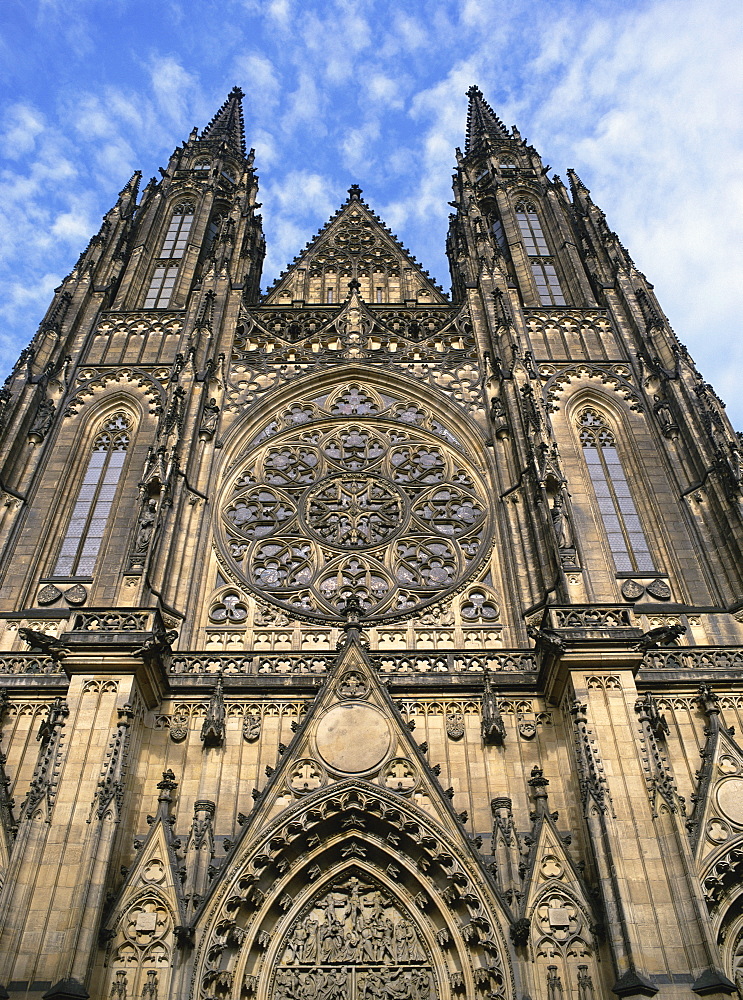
(323, 509)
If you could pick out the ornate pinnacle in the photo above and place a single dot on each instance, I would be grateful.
(539, 783)
(168, 784)
(227, 125)
(482, 122)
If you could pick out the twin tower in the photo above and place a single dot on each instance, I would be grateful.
(361, 641)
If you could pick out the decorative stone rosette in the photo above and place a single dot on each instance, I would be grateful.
(383, 510)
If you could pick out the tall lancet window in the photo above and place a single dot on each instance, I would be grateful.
(166, 269)
(627, 540)
(181, 221)
(90, 515)
(542, 267)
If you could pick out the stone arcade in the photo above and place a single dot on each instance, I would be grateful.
(359, 641)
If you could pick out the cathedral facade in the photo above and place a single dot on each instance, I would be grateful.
(359, 640)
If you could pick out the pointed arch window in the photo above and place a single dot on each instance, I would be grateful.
(543, 271)
(213, 230)
(627, 541)
(164, 276)
(92, 508)
(500, 236)
(174, 244)
(531, 230)
(161, 288)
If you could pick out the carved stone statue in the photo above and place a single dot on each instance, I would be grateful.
(492, 725)
(559, 521)
(42, 421)
(209, 418)
(563, 529)
(662, 410)
(145, 526)
(354, 925)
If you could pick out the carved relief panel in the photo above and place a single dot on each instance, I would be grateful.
(142, 943)
(353, 941)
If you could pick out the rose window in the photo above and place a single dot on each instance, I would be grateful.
(386, 511)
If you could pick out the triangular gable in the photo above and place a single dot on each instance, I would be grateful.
(352, 246)
(156, 869)
(550, 870)
(555, 912)
(353, 729)
(716, 824)
(352, 840)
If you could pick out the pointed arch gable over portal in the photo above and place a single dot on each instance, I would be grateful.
(353, 876)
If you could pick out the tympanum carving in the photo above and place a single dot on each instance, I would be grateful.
(353, 941)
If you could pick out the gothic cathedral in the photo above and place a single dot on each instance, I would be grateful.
(359, 641)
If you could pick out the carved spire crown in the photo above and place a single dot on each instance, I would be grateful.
(228, 125)
(482, 122)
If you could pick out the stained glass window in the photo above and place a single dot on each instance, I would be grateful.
(90, 515)
(626, 538)
(161, 288)
(163, 278)
(548, 285)
(174, 243)
(545, 276)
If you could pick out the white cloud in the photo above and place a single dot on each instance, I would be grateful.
(74, 226)
(280, 12)
(336, 40)
(304, 105)
(172, 86)
(23, 123)
(357, 146)
(260, 82)
(301, 193)
(385, 90)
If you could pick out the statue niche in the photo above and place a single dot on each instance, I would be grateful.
(353, 941)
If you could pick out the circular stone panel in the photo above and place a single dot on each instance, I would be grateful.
(730, 799)
(354, 511)
(353, 738)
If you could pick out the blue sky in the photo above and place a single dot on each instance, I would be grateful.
(644, 98)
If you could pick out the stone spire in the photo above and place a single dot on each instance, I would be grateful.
(227, 125)
(482, 121)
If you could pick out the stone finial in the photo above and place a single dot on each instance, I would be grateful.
(212, 732)
(538, 783)
(492, 725)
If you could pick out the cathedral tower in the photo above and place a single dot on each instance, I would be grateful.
(360, 640)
